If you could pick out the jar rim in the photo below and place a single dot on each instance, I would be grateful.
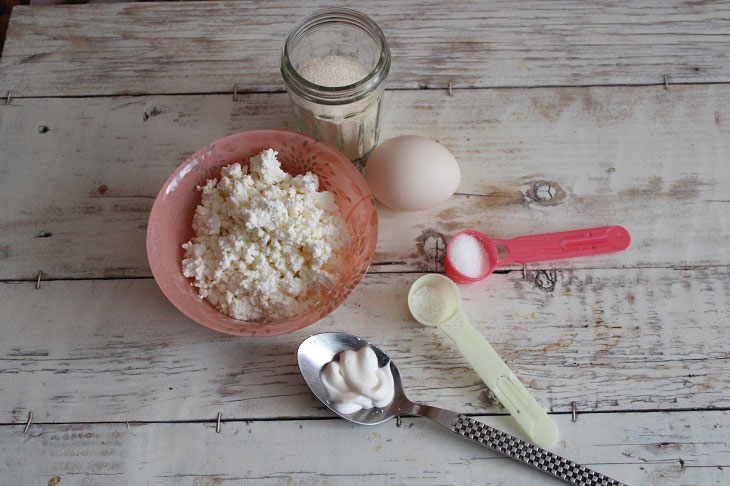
(335, 95)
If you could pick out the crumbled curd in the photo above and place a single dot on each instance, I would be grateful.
(266, 243)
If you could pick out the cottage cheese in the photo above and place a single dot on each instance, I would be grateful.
(266, 244)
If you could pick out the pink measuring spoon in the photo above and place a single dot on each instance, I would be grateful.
(538, 248)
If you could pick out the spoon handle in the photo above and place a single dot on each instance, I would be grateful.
(527, 412)
(566, 244)
(517, 449)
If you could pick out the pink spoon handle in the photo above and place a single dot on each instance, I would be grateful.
(567, 244)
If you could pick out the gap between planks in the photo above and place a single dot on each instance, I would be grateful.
(499, 271)
(423, 88)
(329, 418)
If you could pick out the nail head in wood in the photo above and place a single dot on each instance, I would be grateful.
(573, 412)
(38, 282)
(27, 425)
(218, 424)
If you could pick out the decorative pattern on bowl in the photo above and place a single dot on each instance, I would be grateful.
(170, 223)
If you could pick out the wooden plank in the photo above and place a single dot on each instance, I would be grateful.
(636, 448)
(649, 159)
(199, 48)
(607, 339)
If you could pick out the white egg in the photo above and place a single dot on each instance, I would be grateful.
(411, 173)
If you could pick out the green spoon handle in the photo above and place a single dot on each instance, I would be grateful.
(499, 378)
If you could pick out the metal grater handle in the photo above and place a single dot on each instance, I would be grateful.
(536, 457)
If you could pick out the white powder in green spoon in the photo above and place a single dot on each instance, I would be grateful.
(428, 304)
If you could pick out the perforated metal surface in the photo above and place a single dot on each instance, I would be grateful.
(536, 457)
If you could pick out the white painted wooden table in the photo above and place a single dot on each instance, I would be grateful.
(560, 119)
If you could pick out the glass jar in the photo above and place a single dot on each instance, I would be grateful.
(346, 117)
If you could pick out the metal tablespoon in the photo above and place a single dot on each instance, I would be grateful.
(319, 349)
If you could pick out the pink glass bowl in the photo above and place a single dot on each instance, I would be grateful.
(170, 223)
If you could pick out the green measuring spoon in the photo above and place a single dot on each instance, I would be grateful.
(434, 300)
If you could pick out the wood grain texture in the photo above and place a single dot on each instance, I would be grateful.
(193, 48)
(643, 330)
(607, 339)
(638, 448)
(79, 176)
